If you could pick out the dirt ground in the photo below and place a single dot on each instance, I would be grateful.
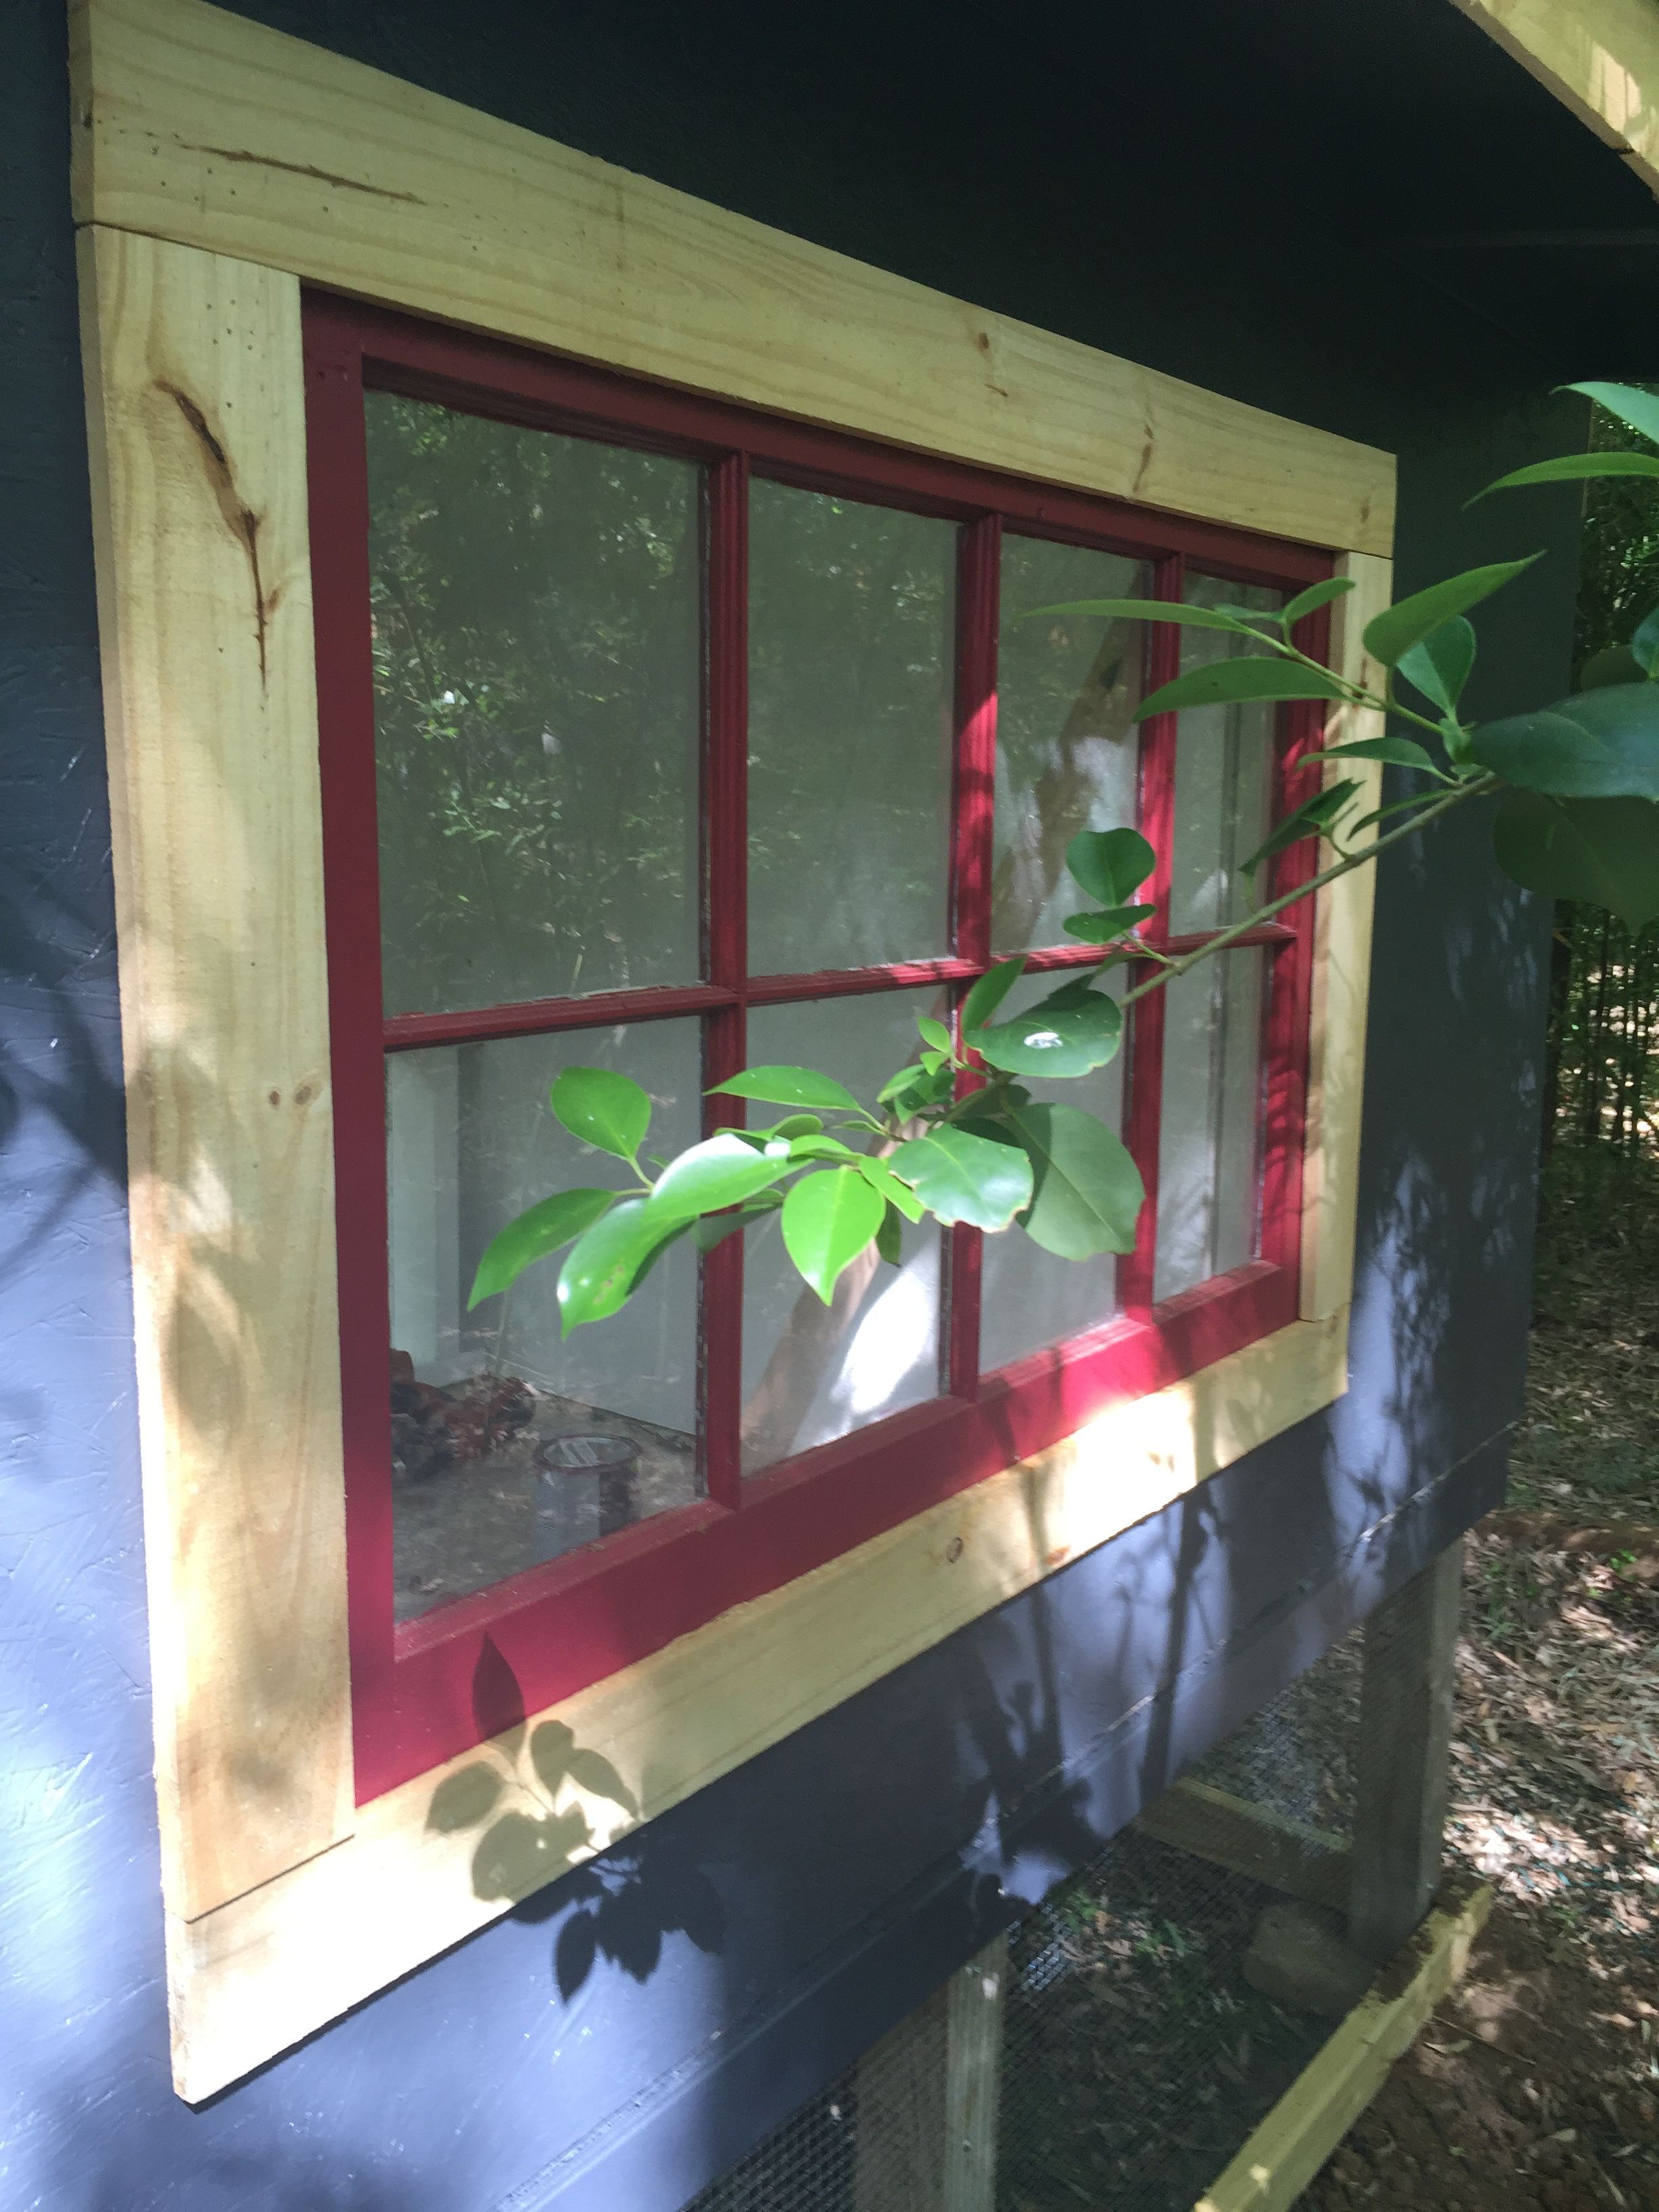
(1537, 2082)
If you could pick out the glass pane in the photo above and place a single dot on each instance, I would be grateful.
(1068, 753)
(1209, 1132)
(537, 710)
(811, 1372)
(485, 1478)
(1030, 1298)
(851, 684)
(1223, 775)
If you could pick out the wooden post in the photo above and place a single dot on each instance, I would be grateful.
(1405, 1740)
(928, 2097)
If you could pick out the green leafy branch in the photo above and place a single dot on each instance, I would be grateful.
(957, 1134)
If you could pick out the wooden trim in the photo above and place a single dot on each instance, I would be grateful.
(1310, 2119)
(197, 441)
(1341, 979)
(1600, 58)
(201, 126)
(260, 1972)
(1230, 1832)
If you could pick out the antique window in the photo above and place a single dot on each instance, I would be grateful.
(679, 739)
(269, 476)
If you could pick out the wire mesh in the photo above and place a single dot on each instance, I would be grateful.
(1126, 2055)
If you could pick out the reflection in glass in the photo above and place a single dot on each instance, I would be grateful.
(486, 1478)
(851, 622)
(1209, 1147)
(1030, 1298)
(1068, 753)
(1223, 775)
(812, 1372)
(536, 651)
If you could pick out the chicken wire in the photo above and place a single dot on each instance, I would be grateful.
(1134, 2057)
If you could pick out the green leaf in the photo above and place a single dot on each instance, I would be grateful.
(1106, 929)
(1573, 468)
(598, 1274)
(934, 1033)
(789, 1086)
(1637, 410)
(1162, 610)
(1439, 664)
(895, 1085)
(1250, 677)
(720, 1171)
(963, 1177)
(1057, 1037)
(1602, 745)
(714, 1228)
(880, 1177)
(1645, 644)
(1604, 852)
(1313, 818)
(1391, 635)
(796, 1125)
(1403, 752)
(889, 1238)
(604, 1109)
(914, 1087)
(1087, 1192)
(828, 1219)
(985, 996)
(1111, 865)
(820, 1148)
(1614, 663)
(461, 1800)
(543, 1228)
(1316, 596)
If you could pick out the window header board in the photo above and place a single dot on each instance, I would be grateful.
(196, 125)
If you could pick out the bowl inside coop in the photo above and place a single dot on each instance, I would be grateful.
(584, 1489)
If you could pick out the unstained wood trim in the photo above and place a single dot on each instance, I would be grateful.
(1230, 1831)
(196, 124)
(198, 443)
(265, 1970)
(1310, 2119)
(1341, 976)
(1599, 58)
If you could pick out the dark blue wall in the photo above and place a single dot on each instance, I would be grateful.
(1247, 206)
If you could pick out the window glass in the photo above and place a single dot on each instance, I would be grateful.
(1030, 1298)
(851, 684)
(1223, 775)
(812, 1372)
(1067, 752)
(486, 1480)
(1209, 1128)
(535, 602)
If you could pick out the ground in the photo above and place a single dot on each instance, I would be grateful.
(1537, 2082)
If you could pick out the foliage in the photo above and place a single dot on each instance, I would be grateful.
(956, 1133)
(1600, 1066)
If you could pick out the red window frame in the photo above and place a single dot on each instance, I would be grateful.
(426, 1690)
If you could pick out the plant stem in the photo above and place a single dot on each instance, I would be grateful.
(1343, 867)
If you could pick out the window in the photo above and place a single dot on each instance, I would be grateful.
(661, 735)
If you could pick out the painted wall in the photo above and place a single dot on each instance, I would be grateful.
(1192, 186)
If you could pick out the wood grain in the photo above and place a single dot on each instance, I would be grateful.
(1309, 2121)
(1341, 978)
(267, 1969)
(1600, 58)
(197, 125)
(204, 619)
